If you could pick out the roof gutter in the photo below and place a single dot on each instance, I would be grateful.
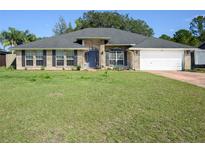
(162, 49)
(120, 44)
(49, 49)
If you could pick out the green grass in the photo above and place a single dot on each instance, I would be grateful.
(67, 106)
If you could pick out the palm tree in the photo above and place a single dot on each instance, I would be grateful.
(29, 37)
(10, 37)
(14, 37)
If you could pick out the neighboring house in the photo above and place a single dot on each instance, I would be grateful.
(103, 48)
(199, 56)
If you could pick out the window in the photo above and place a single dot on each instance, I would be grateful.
(120, 58)
(115, 57)
(39, 58)
(112, 58)
(70, 58)
(60, 58)
(29, 58)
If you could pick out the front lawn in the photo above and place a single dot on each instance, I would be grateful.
(65, 106)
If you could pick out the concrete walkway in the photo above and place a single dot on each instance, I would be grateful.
(189, 77)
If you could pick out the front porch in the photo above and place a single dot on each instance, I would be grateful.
(111, 57)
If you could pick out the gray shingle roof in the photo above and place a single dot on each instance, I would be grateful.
(52, 42)
(152, 42)
(114, 36)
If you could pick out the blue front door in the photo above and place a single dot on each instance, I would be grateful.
(93, 58)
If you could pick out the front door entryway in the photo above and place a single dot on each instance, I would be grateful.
(93, 58)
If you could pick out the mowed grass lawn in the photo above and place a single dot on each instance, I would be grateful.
(65, 106)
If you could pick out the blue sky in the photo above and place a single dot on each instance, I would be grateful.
(41, 23)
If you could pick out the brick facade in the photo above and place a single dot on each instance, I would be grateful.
(132, 57)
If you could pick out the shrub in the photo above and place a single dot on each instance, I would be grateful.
(78, 68)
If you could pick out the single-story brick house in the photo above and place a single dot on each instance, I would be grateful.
(103, 48)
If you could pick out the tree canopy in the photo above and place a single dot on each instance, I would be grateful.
(13, 37)
(109, 19)
(60, 27)
(185, 36)
(165, 37)
(194, 36)
(197, 26)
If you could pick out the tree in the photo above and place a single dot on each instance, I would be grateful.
(13, 37)
(70, 28)
(93, 19)
(185, 36)
(165, 37)
(29, 37)
(197, 25)
(60, 27)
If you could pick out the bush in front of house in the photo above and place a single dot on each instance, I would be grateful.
(78, 68)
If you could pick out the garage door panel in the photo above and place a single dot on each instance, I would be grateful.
(161, 60)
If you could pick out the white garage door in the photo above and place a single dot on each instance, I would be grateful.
(161, 60)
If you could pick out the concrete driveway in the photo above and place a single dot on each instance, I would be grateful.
(189, 77)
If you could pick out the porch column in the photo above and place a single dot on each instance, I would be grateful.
(65, 58)
(134, 59)
(49, 59)
(34, 59)
(102, 56)
(187, 60)
(80, 58)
